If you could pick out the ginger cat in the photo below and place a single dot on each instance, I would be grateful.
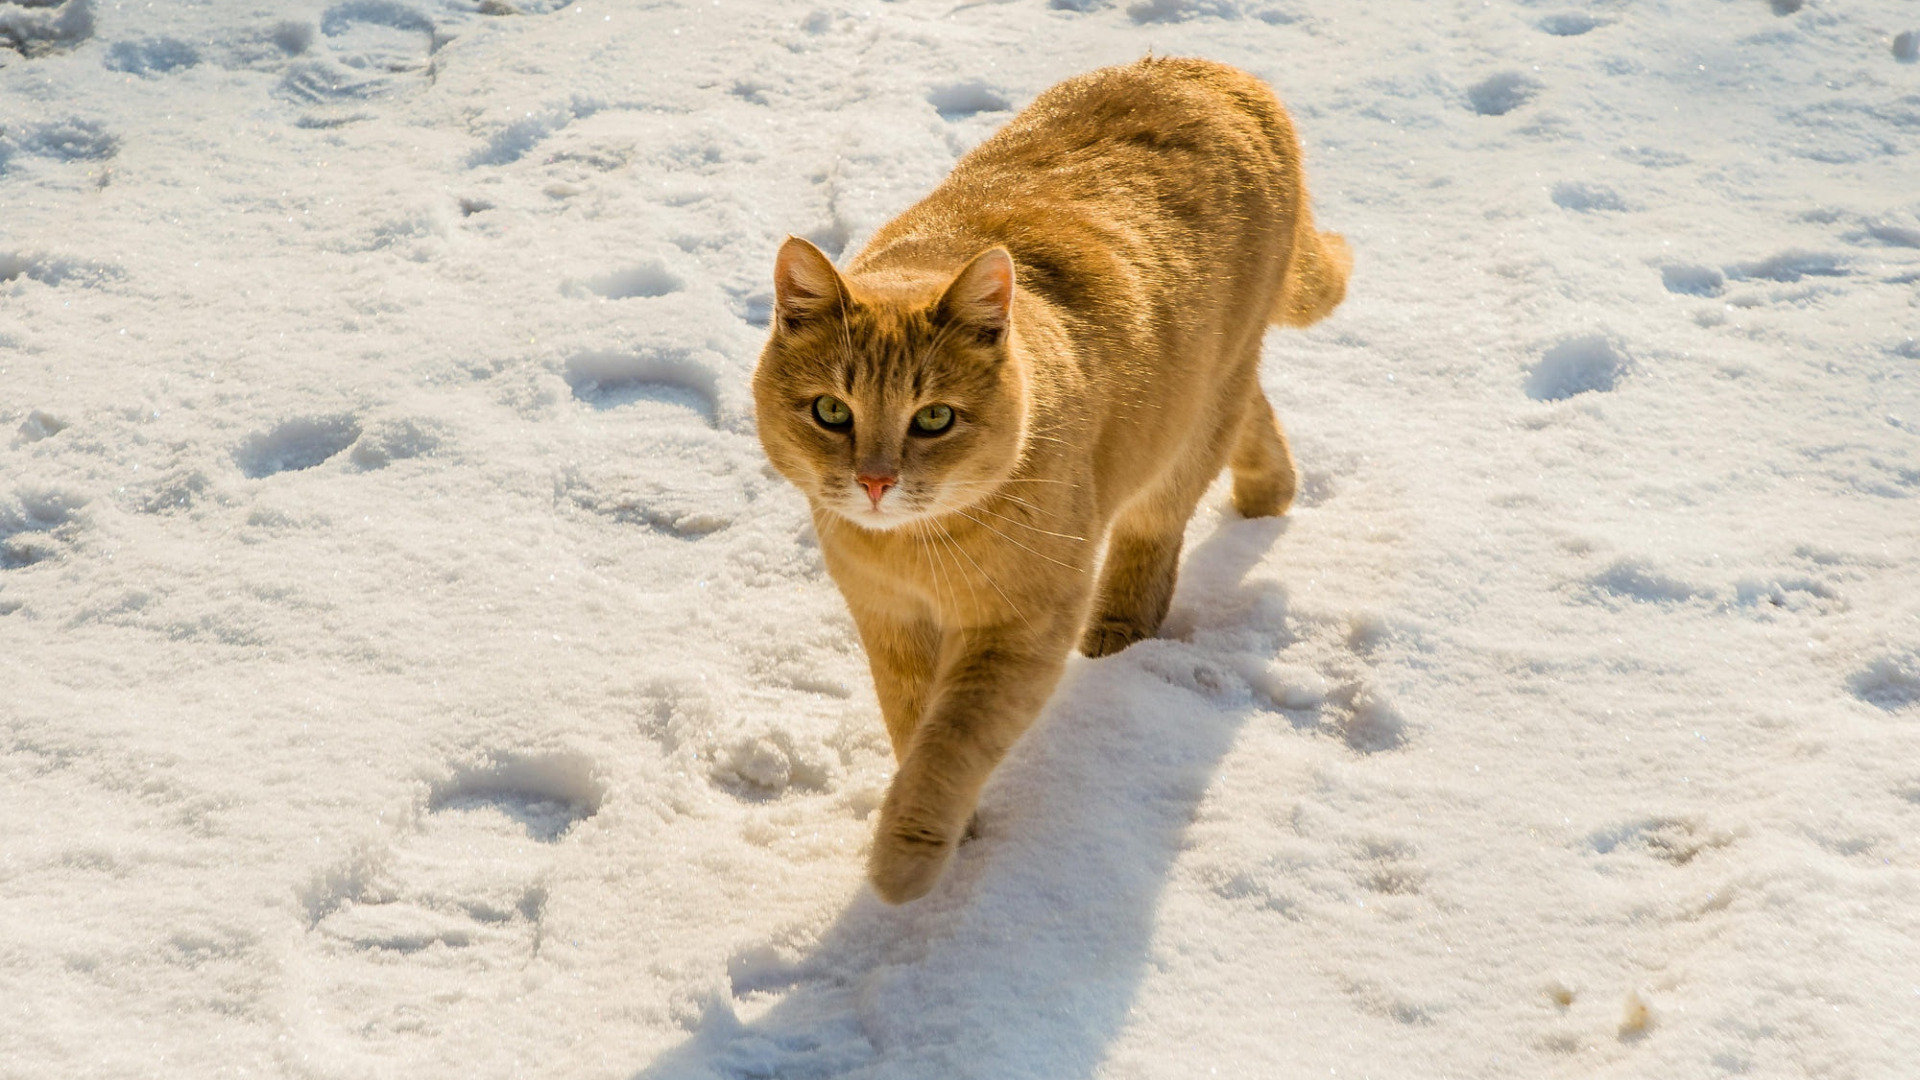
(1058, 347)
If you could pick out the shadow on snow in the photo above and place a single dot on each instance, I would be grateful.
(1027, 957)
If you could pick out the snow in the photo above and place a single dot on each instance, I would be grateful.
(412, 668)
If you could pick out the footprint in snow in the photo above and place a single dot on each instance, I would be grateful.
(641, 281)
(1638, 581)
(1501, 93)
(1790, 266)
(1389, 867)
(306, 442)
(1674, 841)
(752, 91)
(151, 57)
(465, 887)
(958, 101)
(611, 380)
(522, 7)
(267, 47)
(72, 139)
(1577, 365)
(1890, 683)
(1570, 23)
(367, 49)
(546, 795)
(292, 445)
(1587, 197)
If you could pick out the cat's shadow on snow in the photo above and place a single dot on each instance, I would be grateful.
(1025, 960)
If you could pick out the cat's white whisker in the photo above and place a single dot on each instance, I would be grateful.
(1018, 501)
(1024, 525)
(1021, 546)
(957, 547)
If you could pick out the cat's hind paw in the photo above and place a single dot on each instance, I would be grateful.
(1262, 496)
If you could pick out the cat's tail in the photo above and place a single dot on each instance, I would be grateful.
(1316, 278)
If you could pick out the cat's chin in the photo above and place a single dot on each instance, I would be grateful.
(880, 520)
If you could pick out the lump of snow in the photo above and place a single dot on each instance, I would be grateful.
(35, 523)
(1693, 280)
(1374, 726)
(35, 34)
(54, 270)
(1790, 266)
(394, 440)
(40, 425)
(1585, 197)
(1365, 720)
(766, 765)
(1591, 362)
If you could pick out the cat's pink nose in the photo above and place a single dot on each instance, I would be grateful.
(876, 486)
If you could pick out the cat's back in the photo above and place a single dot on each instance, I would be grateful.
(1146, 115)
(1190, 142)
(1116, 186)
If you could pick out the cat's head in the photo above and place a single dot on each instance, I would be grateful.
(891, 400)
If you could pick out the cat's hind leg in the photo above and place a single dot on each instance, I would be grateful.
(1264, 477)
(1143, 547)
(1136, 584)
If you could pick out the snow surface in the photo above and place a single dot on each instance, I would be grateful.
(411, 667)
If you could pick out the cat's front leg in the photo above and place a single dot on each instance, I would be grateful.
(991, 684)
(901, 655)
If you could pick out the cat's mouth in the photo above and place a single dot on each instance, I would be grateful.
(893, 510)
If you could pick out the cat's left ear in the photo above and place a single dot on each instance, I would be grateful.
(981, 296)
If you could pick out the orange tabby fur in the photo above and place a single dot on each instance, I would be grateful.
(1087, 293)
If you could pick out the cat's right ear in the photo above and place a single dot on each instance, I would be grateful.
(805, 285)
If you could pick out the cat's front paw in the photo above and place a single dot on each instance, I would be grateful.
(907, 860)
(1104, 637)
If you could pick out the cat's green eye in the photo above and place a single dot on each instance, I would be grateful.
(831, 411)
(933, 419)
